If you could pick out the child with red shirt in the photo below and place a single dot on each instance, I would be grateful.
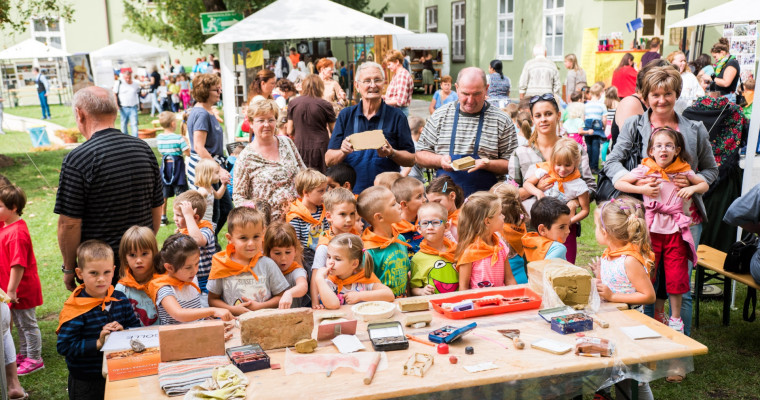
(18, 277)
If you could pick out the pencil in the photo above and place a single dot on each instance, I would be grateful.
(410, 337)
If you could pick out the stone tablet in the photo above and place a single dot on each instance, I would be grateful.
(277, 328)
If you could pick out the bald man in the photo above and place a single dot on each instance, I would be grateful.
(468, 127)
(108, 184)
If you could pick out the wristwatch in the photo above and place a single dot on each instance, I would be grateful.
(66, 271)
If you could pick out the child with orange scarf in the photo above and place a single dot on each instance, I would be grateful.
(668, 215)
(443, 190)
(340, 212)
(410, 195)
(562, 172)
(176, 293)
(306, 214)
(139, 252)
(551, 220)
(348, 277)
(189, 208)
(481, 253)
(92, 311)
(241, 278)
(378, 206)
(283, 247)
(433, 267)
(515, 217)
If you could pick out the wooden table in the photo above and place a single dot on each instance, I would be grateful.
(514, 365)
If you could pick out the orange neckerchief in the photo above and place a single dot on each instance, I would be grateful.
(298, 210)
(160, 281)
(553, 177)
(677, 166)
(479, 250)
(514, 236)
(535, 246)
(290, 269)
(201, 225)
(222, 264)
(447, 255)
(372, 240)
(629, 250)
(405, 226)
(454, 217)
(129, 281)
(76, 306)
(327, 235)
(355, 278)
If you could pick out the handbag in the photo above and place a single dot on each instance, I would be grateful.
(739, 255)
(605, 189)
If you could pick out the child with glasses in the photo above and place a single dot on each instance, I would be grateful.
(668, 215)
(433, 267)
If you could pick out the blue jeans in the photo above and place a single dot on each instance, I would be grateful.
(129, 116)
(154, 104)
(593, 143)
(44, 105)
(686, 304)
(404, 110)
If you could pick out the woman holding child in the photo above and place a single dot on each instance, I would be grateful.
(546, 117)
(265, 170)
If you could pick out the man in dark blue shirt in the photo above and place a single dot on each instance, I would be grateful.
(371, 114)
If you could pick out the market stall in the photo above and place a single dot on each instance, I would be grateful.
(125, 53)
(417, 45)
(18, 85)
(287, 20)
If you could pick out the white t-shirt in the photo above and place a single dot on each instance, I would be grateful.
(573, 189)
(233, 288)
(129, 93)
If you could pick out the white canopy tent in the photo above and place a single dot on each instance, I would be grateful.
(18, 76)
(31, 48)
(288, 20)
(125, 53)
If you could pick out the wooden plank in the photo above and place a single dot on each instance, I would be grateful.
(513, 364)
(713, 260)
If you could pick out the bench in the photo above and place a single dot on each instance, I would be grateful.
(712, 259)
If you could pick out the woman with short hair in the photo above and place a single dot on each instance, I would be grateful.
(310, 120)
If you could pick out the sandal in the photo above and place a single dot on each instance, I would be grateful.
(24, 397)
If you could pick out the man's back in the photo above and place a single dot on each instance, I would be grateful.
(539, 76)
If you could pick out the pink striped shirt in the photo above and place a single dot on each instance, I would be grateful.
(485, 274)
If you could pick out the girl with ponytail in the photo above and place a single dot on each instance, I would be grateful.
(348, 277)
(515, 219)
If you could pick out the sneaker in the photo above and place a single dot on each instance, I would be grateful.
(660, 316)
(164, 220)
(676, 324)
(20, 359)
(29, 366)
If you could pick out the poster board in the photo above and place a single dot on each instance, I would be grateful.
(742, 39)
(588, 52)
(79, 69)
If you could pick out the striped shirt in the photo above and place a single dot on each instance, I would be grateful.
(207, 253)
(595, 110)
(171, 144)
(497, 141)
(188, 297)
(111, 182)
(308, 238)
(77, 338)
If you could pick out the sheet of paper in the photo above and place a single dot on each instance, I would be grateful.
(481, 367)
(348, 343)
(640, 332)
(120, 340)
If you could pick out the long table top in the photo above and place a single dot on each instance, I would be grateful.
(488, 344)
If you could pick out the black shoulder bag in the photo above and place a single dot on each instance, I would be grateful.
(738, 259)
(605, 189)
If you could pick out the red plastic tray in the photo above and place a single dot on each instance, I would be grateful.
(533, 303)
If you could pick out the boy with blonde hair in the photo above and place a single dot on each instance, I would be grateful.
(340, 212)
(410, 194)
(172, 147)
(306, 214)
(387, 179)
(189, 208)
(378, 206)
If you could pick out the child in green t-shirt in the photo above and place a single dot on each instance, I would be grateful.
(433, 268)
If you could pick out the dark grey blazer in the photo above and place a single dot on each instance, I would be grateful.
(697, 147)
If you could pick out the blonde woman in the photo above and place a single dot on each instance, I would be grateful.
(576, 76)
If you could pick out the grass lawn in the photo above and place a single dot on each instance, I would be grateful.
(64, 116)
(718, 374)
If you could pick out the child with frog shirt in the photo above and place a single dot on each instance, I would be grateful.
(433, 267)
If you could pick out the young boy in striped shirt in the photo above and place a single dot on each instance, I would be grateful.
(92, 311)
(172, 147)
(306, 214)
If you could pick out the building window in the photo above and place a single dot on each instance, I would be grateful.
(505, 18)
(652, 14)
(396, 19)
(431, 19)
(554, 28)
(457, 31)
(48, 31)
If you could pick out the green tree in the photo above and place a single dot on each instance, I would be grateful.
(178, 21)
(15, 14)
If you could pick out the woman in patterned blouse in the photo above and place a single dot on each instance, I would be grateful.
(266, 169)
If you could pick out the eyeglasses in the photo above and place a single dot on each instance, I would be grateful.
(368, 82)
(668, 147)
(435, 223)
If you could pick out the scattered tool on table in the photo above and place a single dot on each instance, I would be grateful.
(602, 323)
(418, 320)
(513, 334)
(469, 350)
(443, 348)
(418, 364)
(418, 340)
(387, 336)
(491, 340)
(372, 368)
(453, 359)
(448, 333)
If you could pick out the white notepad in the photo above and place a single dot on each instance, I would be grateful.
(348, 343)
(551, 346)
(640, 332)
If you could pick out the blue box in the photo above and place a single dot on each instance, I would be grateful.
(572, 323)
